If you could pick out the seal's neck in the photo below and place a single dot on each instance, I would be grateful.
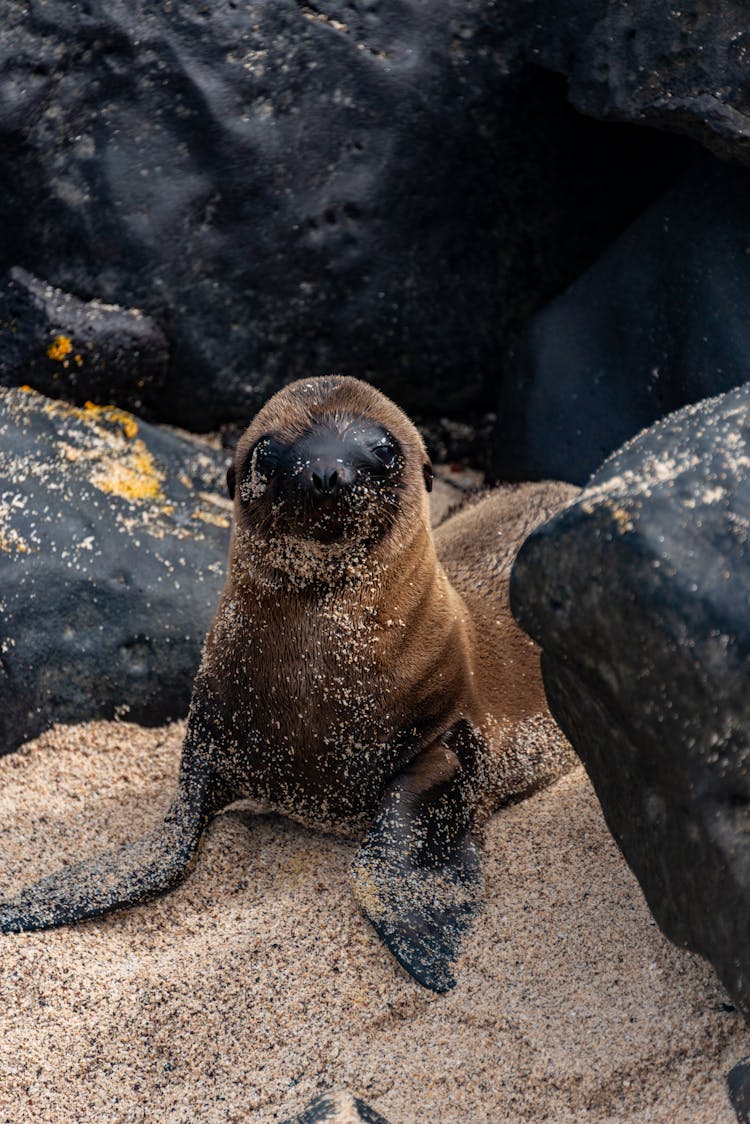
(294, 567)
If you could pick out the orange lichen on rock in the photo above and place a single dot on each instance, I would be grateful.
(60, 347)
(113, 414)
(11, 541)
(120, 464)
(135, 478)
(210, 517)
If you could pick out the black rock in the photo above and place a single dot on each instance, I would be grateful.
(385, 188)
(659, 321)
(113, 546)
(639, 595)
(75, 349)
(338, 1108)
(288, 189)
(679, 67)
(738, 1087)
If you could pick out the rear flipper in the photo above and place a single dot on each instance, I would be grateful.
(130, 874)
(417, 874)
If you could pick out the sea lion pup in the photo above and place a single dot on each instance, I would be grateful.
(359, 676)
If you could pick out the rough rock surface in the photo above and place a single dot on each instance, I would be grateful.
(113, 545)
(680, 67)
(659, 321)
(639, 595)
(75, 349)
(383, 187)
(288, 188)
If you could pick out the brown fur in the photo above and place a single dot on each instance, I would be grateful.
(327, 671)
(477, 547)
(360, 674)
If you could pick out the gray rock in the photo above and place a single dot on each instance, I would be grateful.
(679, 67)
(284, 187)
(738, 1087)
(73, 349)
(659, 321)
(639, 595)
(113, 545)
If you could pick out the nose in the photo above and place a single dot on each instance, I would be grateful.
(325, 476)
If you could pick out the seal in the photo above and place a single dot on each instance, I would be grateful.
(361, 676)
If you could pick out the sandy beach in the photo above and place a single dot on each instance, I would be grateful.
(257, 983)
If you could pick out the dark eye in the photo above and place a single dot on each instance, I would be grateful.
(266, 458)
(385, 453)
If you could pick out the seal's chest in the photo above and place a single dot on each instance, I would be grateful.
(326, 685)
(315, 718)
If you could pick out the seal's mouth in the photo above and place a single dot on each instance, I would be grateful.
(330, 522)
(350, 515)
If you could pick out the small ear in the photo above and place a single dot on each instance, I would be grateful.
(230, 481)
(428, 475)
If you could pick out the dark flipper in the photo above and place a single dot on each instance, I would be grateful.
(338, 1105)
(130, 874)
(417, 874)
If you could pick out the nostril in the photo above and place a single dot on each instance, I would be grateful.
(325, 480)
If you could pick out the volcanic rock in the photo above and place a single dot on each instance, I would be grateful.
(113, 543)
(659, 321)
(639, 595)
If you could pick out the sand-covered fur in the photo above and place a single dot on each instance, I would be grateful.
(360, 675)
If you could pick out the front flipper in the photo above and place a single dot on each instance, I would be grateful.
(417, 874)
(130, 874)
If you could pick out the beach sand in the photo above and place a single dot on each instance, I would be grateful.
(258, 984)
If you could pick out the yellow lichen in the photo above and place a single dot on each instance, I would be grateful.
(11, 541)
(90, 413)
(120, 465)
(622, 519)
(135, 478)
(118, 462)
(112, 414)
(209, 517)
(60, 347)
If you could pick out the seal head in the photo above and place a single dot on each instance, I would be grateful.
(324, 473)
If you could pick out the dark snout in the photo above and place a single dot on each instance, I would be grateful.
(326, 470)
